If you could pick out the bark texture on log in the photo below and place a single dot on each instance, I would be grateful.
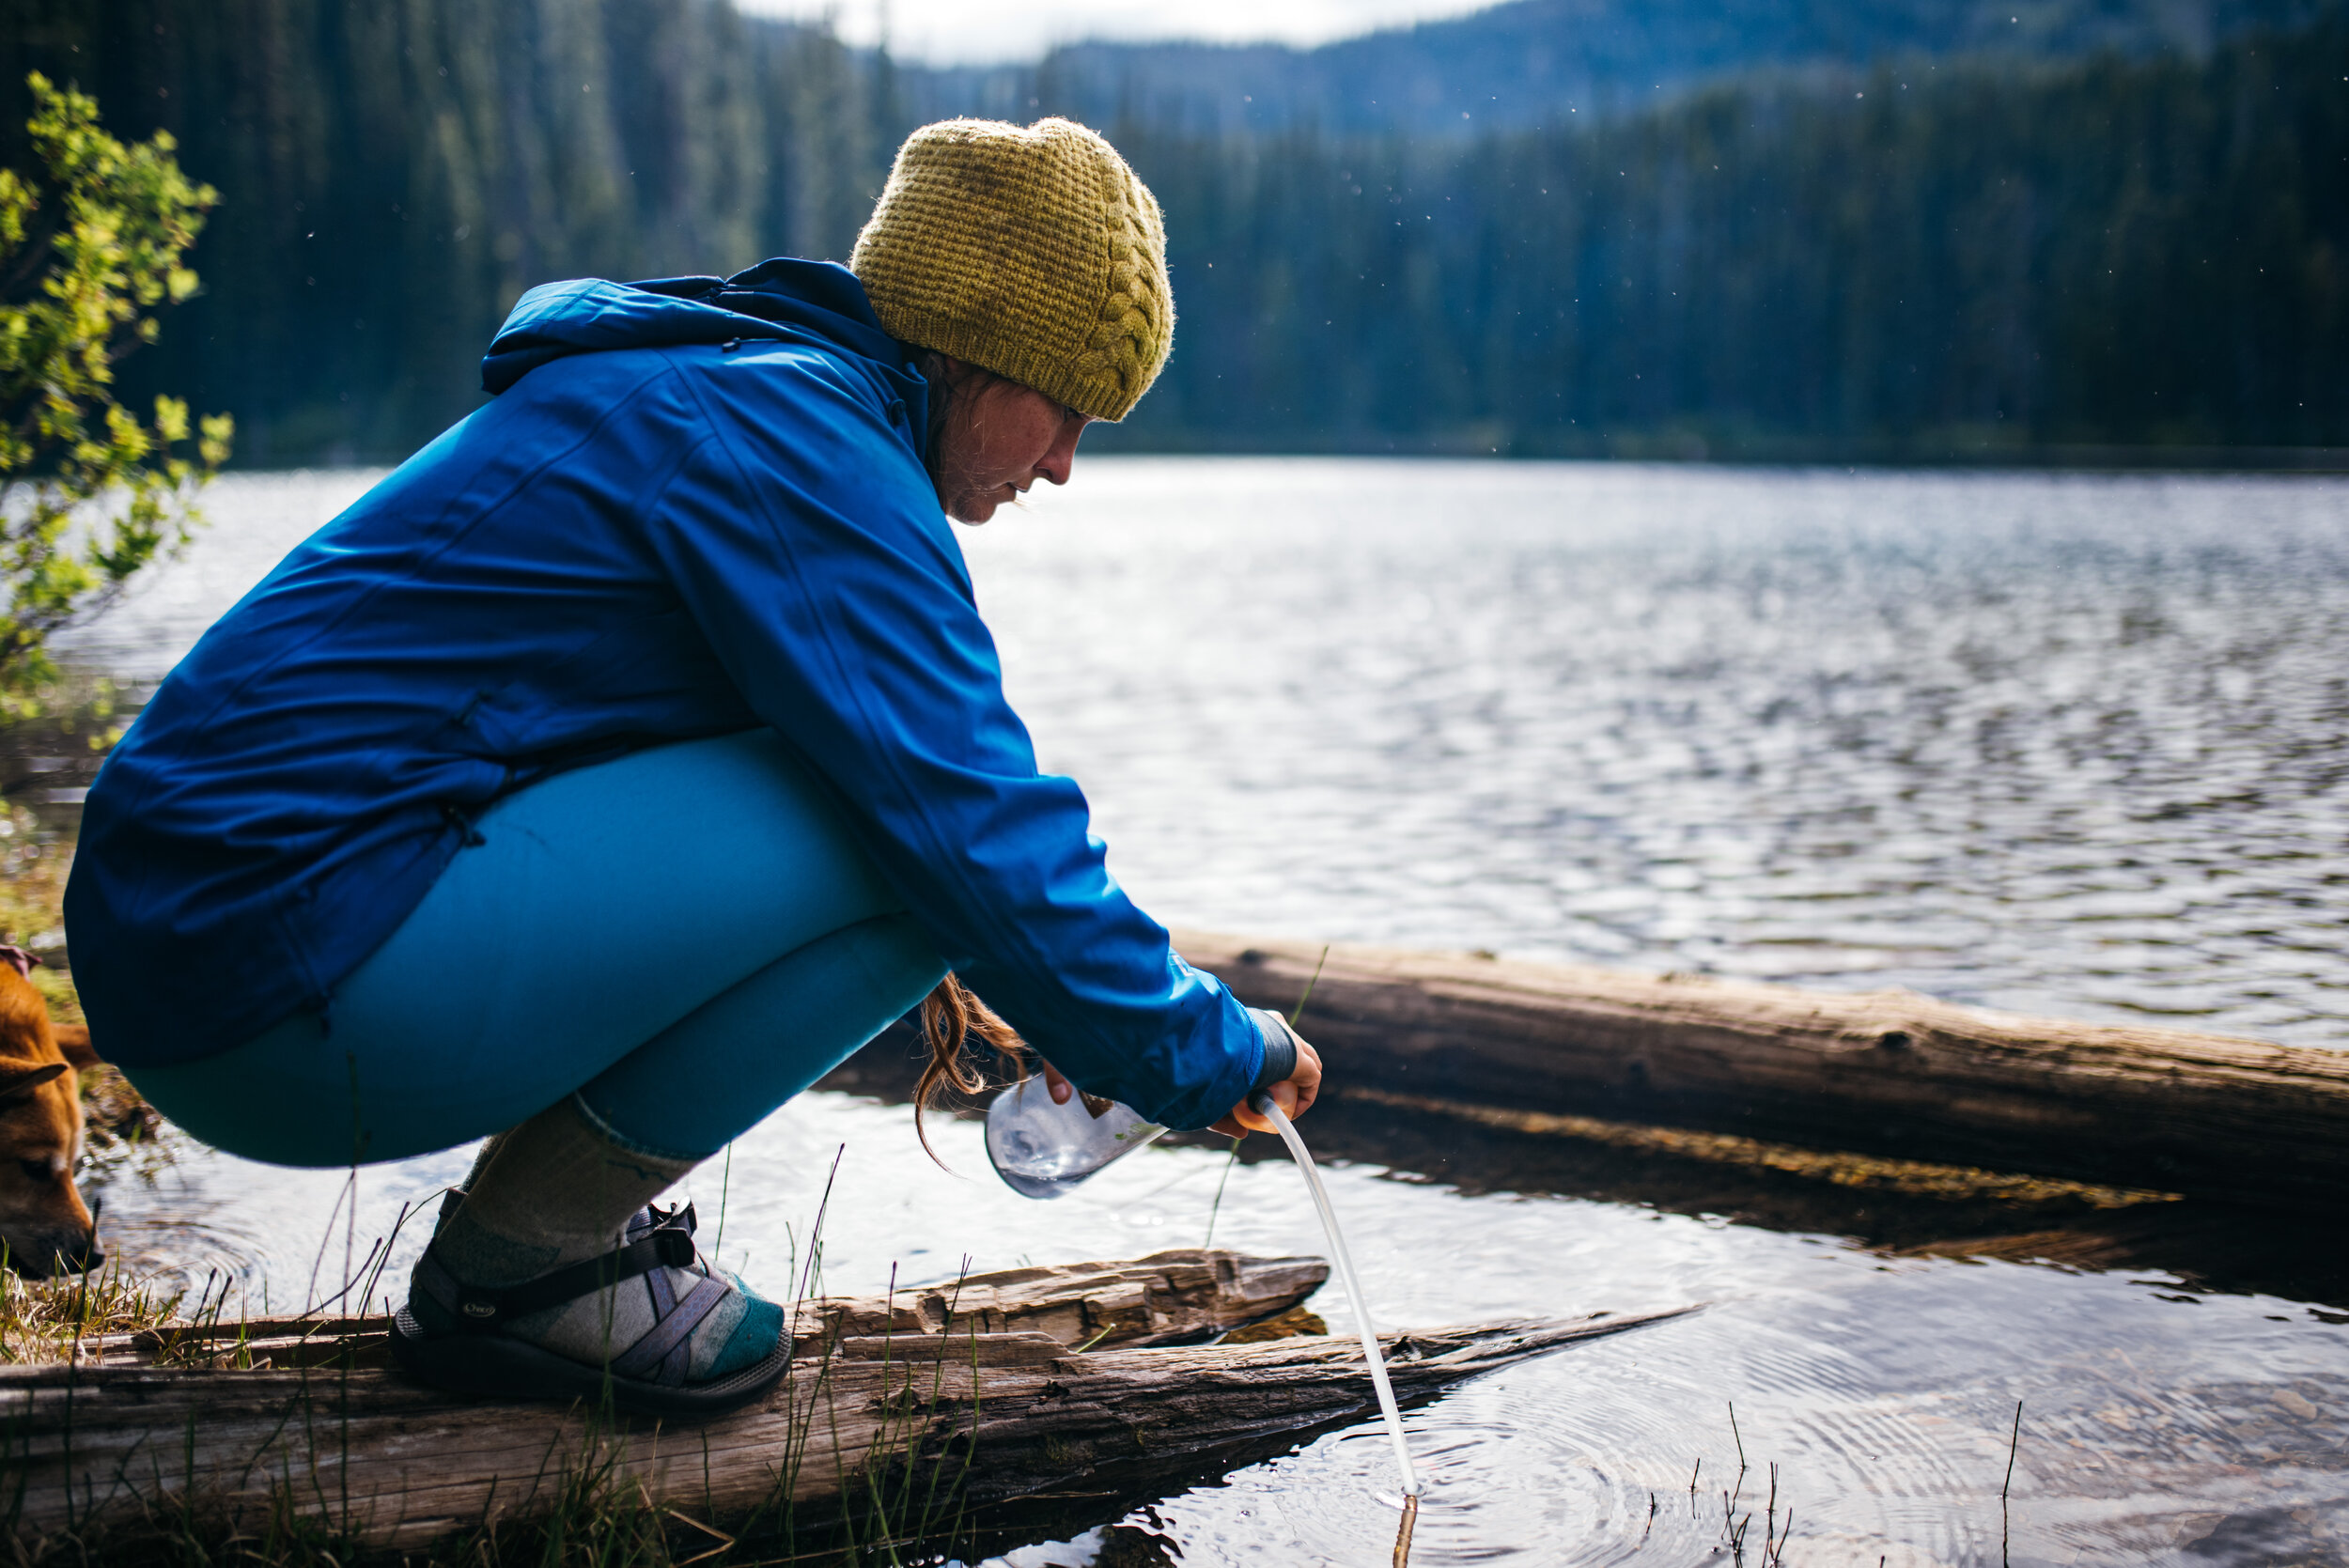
(1888, 1073)
(907, 1423)
(1161, 1299)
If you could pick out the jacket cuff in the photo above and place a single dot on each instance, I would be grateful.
(1280, 1048)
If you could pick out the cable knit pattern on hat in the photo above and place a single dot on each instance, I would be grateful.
(1035, 253)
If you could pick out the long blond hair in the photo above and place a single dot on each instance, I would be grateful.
(951, 1017)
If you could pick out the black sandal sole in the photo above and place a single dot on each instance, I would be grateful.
(494, 1366)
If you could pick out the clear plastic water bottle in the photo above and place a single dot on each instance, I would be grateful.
(1042, 1150)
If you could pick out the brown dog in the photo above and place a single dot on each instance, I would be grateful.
(42, 1222)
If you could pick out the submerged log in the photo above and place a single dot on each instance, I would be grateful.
(900, 1411)
(1888, 1073)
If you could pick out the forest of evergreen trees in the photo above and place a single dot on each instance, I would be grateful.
(1934, 261)
(392, 177)
(1938, 258)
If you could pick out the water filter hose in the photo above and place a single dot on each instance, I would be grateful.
(1264, 1105)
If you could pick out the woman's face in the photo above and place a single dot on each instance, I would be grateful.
(998, 439)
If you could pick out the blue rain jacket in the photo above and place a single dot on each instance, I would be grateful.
(692, 507)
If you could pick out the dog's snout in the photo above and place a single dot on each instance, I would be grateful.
(47, 1257)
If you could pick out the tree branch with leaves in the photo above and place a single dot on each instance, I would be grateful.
(90, 249)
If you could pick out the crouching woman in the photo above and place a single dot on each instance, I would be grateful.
(635, 751)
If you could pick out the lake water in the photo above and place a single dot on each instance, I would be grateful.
(2072, 745)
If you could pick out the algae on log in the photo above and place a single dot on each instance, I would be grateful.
(896, 1409)
(1888, 1073)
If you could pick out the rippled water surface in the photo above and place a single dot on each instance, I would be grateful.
(2074, 745)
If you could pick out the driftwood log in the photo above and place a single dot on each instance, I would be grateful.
(1888, 1073)
(900, 1413)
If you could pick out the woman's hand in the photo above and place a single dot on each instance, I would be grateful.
(1295, 1094)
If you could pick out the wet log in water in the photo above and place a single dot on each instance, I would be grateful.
(899, 1412)
(1888, 1073)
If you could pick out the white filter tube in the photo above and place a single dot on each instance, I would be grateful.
(1264, 1105)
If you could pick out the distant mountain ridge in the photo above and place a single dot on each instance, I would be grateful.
(1532, 62)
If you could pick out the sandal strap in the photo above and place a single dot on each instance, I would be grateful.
(662, 1353)
(646, 1219)
(669, 1244)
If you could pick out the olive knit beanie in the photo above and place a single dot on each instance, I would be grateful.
(1035, 253)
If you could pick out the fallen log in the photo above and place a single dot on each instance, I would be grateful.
(1169, 1297)
(1887, 1073)
(900, 1412)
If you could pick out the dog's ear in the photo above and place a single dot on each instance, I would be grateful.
(17, 1081)
(73, 1040)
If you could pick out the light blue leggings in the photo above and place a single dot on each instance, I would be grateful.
(688, 936)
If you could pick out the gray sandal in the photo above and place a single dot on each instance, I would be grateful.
(649, 1377)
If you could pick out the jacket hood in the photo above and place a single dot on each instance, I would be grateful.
(785, 300)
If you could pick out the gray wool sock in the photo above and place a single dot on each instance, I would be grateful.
(488, 1152)
(560, 1188)
(481, 1159)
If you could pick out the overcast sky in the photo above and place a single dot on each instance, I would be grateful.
(978, 31)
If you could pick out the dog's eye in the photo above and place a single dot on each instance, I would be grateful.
(39, 1170)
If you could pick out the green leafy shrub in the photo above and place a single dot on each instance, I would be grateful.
(91, 248)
